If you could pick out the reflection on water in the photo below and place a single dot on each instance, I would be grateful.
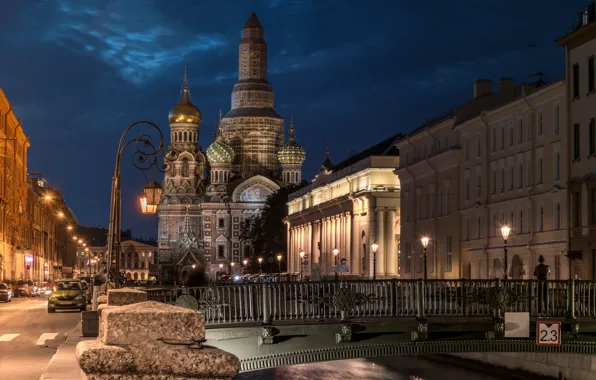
(389, 368)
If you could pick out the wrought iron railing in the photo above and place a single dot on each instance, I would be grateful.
(384, 298)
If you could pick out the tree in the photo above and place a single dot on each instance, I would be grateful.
(266, 232)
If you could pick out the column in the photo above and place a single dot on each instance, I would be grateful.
(391, 254)
(323, 261)
(348, 235)
(314, 249)
(380, 240)
(289, 250)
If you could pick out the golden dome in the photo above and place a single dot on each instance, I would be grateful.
(185, 111)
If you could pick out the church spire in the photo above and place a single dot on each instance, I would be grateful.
(253, 22)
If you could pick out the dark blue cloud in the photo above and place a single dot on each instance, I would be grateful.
(78, 72)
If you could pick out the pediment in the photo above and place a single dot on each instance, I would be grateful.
(556, 189)
(221, 238)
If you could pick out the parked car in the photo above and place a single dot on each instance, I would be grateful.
(68, 294)
(5, 293)
(26, 288)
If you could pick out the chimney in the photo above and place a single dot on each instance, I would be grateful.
(506, 86)
(482, 87)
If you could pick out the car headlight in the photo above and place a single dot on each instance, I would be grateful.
(52, 298)
(79, 297)
(48, 292)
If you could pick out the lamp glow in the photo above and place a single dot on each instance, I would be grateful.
(424, 241)
(505, 231)
(374, 247)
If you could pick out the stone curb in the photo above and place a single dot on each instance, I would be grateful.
(63, 365)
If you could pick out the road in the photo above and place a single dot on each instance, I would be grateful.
(29, 336)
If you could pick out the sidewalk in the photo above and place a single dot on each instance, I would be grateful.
(64, 365)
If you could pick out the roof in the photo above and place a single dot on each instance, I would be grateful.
(253, 112)
(384, 148)
(131, 245)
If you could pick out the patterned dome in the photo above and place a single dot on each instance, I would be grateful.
(292, 152)
(185, 111)
(220, 152)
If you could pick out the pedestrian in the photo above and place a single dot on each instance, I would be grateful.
(541, 272)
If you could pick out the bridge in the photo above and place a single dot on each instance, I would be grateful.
(285, 323)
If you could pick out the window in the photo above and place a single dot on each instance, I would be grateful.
(185, 167)
(502, 138)
(502, 180)
(558, 216)
(520, 130)
(576, 80)
(592, 136)
(494, 184)
(540, 167)
(466, 150)
(576, 142)
(557, 165)
(479, 186)
(557, 119)
(440, 205)
(221, 223)
(521, 221)
(541, 219)
(478, 146)
(221, 251)
(577, 209)
(448, 201)
(494, 139)
(467, 231)
(511, 136)
(511, 178)
(539, 123)
(593, 206)
(591, 74)
(478, 228)
(448, 255)
(467, 189)
(521, 175)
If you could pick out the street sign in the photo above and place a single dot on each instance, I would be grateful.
(517, 325)
(343, 262)
(548, 333)
(341, 268)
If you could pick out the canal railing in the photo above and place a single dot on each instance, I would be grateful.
(270, 302)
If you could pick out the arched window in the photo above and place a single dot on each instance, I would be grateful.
(185, 136)
(185, 167)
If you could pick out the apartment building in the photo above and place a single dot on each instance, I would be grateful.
(580, 52)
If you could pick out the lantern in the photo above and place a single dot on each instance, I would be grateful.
(151, 197)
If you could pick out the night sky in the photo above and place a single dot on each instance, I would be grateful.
(78, 72)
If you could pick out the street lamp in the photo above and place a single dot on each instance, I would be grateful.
(244, 264)
(335, 253)
(301, 263)
(151, 197)
(374, 247)
(260, 260)
(505, 231)
(279, 257)
(146, 156)
(424, 241)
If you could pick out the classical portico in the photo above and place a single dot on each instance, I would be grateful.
(348, 207)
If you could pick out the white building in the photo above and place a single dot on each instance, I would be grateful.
(348, 207)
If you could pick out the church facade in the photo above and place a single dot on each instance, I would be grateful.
(209, 194)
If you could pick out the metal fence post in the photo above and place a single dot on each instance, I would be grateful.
(394, 297)
(464, 296)
(570, 321)
(266, 303)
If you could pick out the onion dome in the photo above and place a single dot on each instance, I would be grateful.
(291, 153)
(220, 152)
(185, 111)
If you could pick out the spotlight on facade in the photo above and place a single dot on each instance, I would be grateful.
(61, 214)
(69, 228)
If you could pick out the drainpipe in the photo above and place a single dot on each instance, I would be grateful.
(485, 197)
(568, 160)
(532, 186)
(435, 236)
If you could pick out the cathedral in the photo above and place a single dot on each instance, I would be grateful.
(209, 194)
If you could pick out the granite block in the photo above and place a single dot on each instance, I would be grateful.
(102, 299)
(125, 296)
(139, 323)
(100, 361)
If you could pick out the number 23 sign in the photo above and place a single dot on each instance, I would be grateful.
(548, 333)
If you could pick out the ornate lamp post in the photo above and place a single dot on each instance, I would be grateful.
(260, 260)
(335, 254)
(279, 257)
(374, 247)
(301, 263)
(505, 230)
(145, 157)
(424, 241)
(244, 263)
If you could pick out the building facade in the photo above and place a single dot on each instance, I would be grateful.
(348, 207)
(498, 160)
(580, 50)
(209, 194)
